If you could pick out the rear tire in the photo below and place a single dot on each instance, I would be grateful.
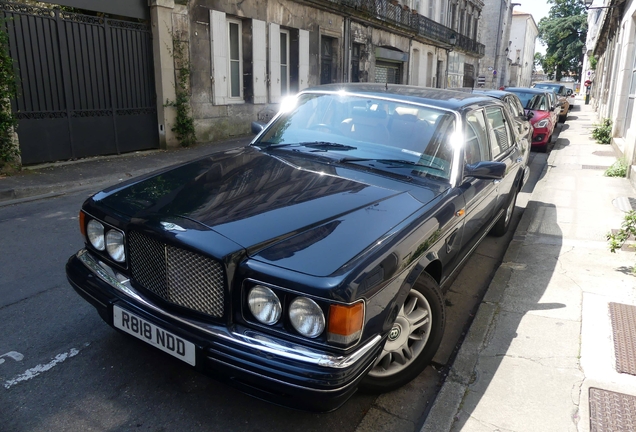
(502, 225)
(413, 340)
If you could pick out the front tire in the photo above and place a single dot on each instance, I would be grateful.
(413, 340)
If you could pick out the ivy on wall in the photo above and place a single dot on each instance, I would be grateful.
(9, 152)
(184, 123)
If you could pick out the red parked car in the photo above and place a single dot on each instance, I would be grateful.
(544, 115)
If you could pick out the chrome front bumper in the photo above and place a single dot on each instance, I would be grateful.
(266, 344)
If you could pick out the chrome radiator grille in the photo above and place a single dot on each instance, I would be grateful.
(178, 276)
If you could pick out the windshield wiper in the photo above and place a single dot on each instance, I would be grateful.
(325, 145)
(393, 161)
(320, 145)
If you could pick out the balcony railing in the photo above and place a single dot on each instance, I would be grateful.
(387, 11)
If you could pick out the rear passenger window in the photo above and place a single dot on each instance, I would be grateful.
(476, 134)
(500, 135)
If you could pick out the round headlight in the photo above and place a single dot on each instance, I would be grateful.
(306, 317)
(95, 233)
(264, 305)
(115, 245)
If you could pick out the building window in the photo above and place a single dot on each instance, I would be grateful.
(388, 72)
(326, 59)
(431, 9)
(284, 62)
(235, 59)
(356, 49)
(630, 101)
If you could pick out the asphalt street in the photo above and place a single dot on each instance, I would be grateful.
(62, 368)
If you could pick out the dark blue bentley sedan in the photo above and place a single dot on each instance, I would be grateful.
(312, 262)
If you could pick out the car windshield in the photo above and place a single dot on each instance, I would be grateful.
(547, 86)
(353, 128)
(530, 100)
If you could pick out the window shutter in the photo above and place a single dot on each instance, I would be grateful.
(219, 59)
(303, 59)
(259, 59)
(274, 63)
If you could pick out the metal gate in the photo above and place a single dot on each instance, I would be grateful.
(85, 84)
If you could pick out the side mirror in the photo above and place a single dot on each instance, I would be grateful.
(569, 92)
(257, 127)
(529, 115)
(486, 170)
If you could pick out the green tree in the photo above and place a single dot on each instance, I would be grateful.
(563, 32)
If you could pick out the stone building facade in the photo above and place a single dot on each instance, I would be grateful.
(612, 82)
(247, 56)
(495, 36)
(523, 36)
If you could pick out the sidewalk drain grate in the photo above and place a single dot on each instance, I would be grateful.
(625, 204)
(624, 331)
(610, 411)
(594, 167)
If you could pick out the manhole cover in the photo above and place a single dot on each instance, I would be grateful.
(625, 204)
(624, 330)
(611, 412)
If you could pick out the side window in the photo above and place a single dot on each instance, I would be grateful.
(500, 136)
(476, 134)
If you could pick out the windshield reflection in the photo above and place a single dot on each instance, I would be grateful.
(367, 128)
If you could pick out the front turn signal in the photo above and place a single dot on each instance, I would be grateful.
(345, 323)
(82, 215)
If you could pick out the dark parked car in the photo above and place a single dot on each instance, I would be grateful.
(541, 103)
(313, 261)
(516, 110)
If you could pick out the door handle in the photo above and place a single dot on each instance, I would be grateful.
(497, 181)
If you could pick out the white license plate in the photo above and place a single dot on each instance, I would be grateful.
(155, 336)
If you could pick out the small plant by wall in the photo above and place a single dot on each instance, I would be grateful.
(628, 229)
(9, 152)
(618, 169)
(602, 131)
(184, 123)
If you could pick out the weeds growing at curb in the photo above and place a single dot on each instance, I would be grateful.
(184, 123)
(618, 169)
(602, 133)
(628, 229)
(9, 152)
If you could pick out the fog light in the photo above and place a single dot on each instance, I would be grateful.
(115, 245)
(306, 317)
(264, 305)
(95, 233)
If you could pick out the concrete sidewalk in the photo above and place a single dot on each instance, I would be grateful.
(63, 177)
(542, 336)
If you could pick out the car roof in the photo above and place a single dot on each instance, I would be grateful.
(494, 93)
(526, 90)
(551, 84)
(442, 98)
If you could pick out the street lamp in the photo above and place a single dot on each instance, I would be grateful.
(453, 41)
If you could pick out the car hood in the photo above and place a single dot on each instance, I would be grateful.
(279, 212)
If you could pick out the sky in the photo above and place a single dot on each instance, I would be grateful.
(538, 9)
